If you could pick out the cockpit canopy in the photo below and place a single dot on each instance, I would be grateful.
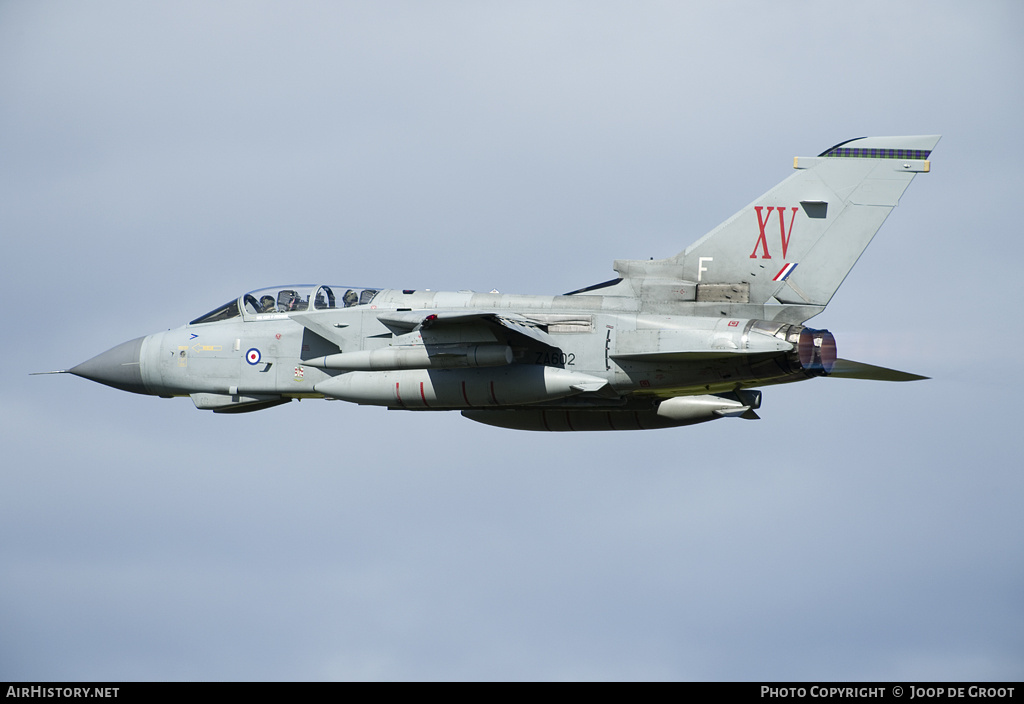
(278, 301)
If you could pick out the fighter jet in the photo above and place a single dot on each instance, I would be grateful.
(666, 343)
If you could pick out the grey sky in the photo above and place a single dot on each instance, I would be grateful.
(159, 160)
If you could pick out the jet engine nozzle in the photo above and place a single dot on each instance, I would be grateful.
(817, 351)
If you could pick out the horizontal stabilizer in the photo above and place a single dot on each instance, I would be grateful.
(847, 369)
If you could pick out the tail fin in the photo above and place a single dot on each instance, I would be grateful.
(797, 242)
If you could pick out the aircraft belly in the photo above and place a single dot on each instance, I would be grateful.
(569, 420)
(704, 376)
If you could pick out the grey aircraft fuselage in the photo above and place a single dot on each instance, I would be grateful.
(668, 343)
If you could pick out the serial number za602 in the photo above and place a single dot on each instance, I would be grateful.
(555, 359)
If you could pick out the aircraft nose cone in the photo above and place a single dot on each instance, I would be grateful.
(120, 367)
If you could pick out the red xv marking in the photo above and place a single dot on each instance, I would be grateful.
(762, 223)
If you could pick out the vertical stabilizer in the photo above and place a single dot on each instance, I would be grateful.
(796, 243)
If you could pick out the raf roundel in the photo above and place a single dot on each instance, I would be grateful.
(253, 356)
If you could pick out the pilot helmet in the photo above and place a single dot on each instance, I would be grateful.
(287, 300)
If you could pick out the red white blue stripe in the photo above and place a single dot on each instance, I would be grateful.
(785, 272)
